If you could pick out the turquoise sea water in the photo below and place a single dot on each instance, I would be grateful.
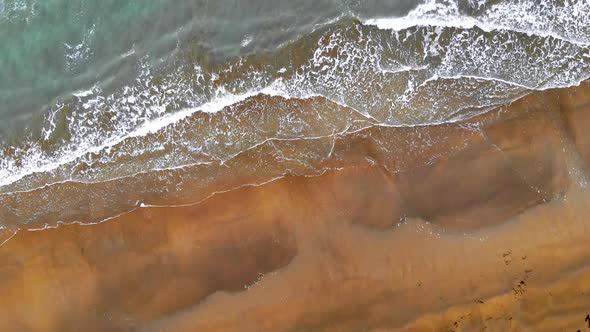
(53, 48)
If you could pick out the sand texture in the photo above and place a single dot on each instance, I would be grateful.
(479, 225)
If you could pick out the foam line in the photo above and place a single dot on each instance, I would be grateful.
(448, 15)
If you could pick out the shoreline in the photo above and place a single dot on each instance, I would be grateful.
(364, 245)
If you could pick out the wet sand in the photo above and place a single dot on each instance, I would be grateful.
(477, 225)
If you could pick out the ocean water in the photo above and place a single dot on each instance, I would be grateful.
(107, 106)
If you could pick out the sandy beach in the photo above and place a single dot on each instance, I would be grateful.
(478, 225)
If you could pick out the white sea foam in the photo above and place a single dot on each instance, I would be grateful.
(569, 22)
(223, 100)
(247, 41)
(37, 163)
(76, 54)
(85, 93)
